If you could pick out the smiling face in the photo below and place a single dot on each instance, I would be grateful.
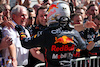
(82, 12)
(42, 17)
(31, 18)
(78, 19)
(6, 11)
(93, 10)
(21, 17)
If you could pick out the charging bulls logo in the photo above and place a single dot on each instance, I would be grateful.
(64, 47)
(64, 40)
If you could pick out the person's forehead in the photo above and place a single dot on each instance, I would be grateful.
(32, 14)
(80, 10)
(43, 11)
(93, 7)
(22, 10)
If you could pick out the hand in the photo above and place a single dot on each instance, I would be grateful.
(8, 23)
(5, 42)
(86, 2)
(36, 50)
(96, 2)
(90, 23)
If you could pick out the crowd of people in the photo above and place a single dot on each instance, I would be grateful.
(38, 38)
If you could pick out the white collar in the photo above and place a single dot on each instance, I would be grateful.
(14, 22)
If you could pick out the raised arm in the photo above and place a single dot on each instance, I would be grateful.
(88, 24)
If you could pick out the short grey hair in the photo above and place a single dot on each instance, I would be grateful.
(16, 9)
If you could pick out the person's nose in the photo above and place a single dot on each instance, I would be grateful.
(25, 17)
(8, 11)
(44, 17)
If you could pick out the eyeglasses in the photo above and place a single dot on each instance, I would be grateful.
(32, 17)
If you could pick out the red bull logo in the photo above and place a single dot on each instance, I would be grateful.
(53, 6)
(62, 48)
(64, 40)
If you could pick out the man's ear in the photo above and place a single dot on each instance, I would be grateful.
(13, 16)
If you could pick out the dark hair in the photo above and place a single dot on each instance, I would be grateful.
(30, 9)
(45, 1)
(42, 7)
(90, 6)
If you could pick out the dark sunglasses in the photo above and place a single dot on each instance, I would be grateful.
(32, 17)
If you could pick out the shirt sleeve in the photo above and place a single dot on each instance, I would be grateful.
(79, 41)
(8, 32)
(33, 41)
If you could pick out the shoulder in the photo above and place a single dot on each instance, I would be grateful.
(7, 31)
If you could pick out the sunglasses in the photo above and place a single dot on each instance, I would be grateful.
(32, 17)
